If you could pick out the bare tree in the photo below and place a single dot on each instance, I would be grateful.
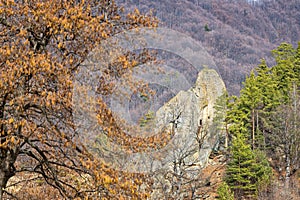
(285, 134)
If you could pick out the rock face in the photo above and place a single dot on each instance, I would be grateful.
(190, 114)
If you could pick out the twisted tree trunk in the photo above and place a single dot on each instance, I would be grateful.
(7, 169)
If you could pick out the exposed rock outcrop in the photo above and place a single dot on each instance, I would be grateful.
(190, 114)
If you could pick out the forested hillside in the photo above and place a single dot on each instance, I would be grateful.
(237, 33)
(78, 121)
(264, 121)
(255, 46)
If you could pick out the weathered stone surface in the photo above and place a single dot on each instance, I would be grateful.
(191, 115)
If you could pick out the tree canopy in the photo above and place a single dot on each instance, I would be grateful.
(266, 115)
(42, 45)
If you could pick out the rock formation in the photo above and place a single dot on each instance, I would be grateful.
(190, 113)
(188, 116)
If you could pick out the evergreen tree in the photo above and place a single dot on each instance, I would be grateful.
(286, 70)
(297, 64)
(258, 98)
(239, 174)
(250, 100)
(270, 98)
(237, 117)
(263, 170)
(224, 192)
(246, 171)
(267, 113)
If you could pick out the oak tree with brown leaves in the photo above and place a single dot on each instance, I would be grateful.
(42, 45)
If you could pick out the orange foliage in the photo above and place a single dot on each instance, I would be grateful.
(42, 44)
(128, 142)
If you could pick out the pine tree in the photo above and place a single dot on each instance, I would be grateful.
(239, 174)
(245, 172)
(263, 170)
(237, 118)
(251, 98)
(286, 71)
(267, 113)
(224, 192)
(283, 122)
(270, 99)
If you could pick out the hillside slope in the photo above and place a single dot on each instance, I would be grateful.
(237, 33)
